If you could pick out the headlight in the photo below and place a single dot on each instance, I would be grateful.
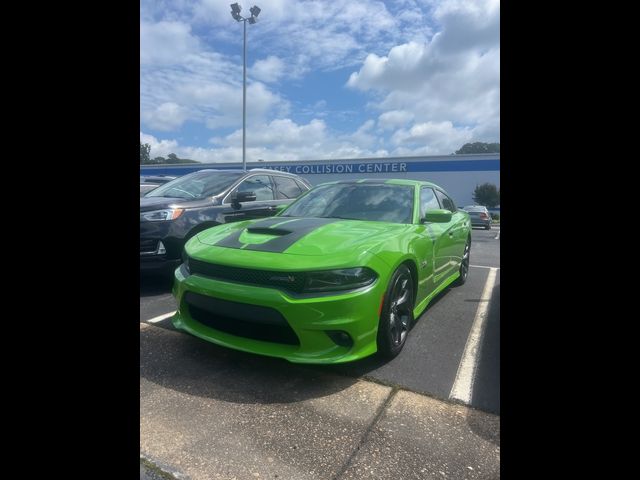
(162, 215)
(344, 279)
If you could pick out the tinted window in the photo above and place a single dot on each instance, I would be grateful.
(196, 185)
(258, 184)
(446, 202)
(302, 186)
(287, 187)
(377, 202)
(428, 201)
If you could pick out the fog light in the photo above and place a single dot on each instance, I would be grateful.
(340, 338)
(161, 249)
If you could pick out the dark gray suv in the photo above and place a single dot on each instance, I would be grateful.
(172, 213)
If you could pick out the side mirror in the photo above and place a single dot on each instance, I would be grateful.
(242, 197)
(245, 197)
(437, 216)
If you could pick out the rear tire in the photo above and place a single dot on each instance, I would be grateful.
(487, 227)
(396, 316)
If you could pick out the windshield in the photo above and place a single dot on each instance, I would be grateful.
(196, 185)
(357, 201)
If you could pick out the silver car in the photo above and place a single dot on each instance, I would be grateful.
(480, 216)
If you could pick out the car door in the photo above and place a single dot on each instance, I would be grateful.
(454, 236)
(438, 232)
(263, 206)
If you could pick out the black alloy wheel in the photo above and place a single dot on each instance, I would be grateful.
(396, 317)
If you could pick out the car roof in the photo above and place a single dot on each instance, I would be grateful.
(389, 181)
(268, 171)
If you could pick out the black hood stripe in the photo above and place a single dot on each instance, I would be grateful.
(289, 232)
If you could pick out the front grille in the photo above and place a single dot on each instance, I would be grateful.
(292, 281)
(148, 244)
(241, 319)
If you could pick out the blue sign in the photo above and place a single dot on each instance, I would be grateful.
(345, 168)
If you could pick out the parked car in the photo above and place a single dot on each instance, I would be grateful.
(172, 213)
(148, 183)
(480, 216)
(340, 274)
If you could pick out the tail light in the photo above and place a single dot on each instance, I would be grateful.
(484, 216)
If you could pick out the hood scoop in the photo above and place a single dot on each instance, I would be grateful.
(269, 231)
(280, 238)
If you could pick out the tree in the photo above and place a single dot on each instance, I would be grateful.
(159, 160)
(479, 147)
(173, 158)
(145, 150)
(487, 194)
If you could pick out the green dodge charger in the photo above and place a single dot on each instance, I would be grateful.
(338, 275)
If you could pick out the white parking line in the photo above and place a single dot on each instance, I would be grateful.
(159, 318)
(463, 385)
(497, 236)
(483, 266)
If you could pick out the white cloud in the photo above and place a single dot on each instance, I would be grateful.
(394, 118)
(166, 43)
(427, 92)
(159, 148)
(454, 77)
(205, 87)
(322, 35)
(166, 117)
(268, 70)
(277, 140)
(438, 137)
(281, 132)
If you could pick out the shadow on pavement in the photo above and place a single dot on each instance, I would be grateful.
(190, 365)
(152, 284)
(486, 385)
(485, 426)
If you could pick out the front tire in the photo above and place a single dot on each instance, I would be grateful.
(396, 316)
(464, 265)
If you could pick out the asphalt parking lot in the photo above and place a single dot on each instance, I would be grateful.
(432, 412)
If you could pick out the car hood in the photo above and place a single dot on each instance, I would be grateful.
(301, 236)
(158, 203)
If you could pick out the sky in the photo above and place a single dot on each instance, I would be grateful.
(325, 79)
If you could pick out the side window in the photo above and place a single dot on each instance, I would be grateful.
(446, 202)
(428, 201)
(258, 184)
(287, 187)
(303, 187)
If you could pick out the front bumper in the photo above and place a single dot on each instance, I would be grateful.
(355, 312)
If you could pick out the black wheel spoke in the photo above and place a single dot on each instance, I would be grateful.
(400, 309)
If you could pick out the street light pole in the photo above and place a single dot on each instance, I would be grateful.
(244, 97)
(235, 13)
